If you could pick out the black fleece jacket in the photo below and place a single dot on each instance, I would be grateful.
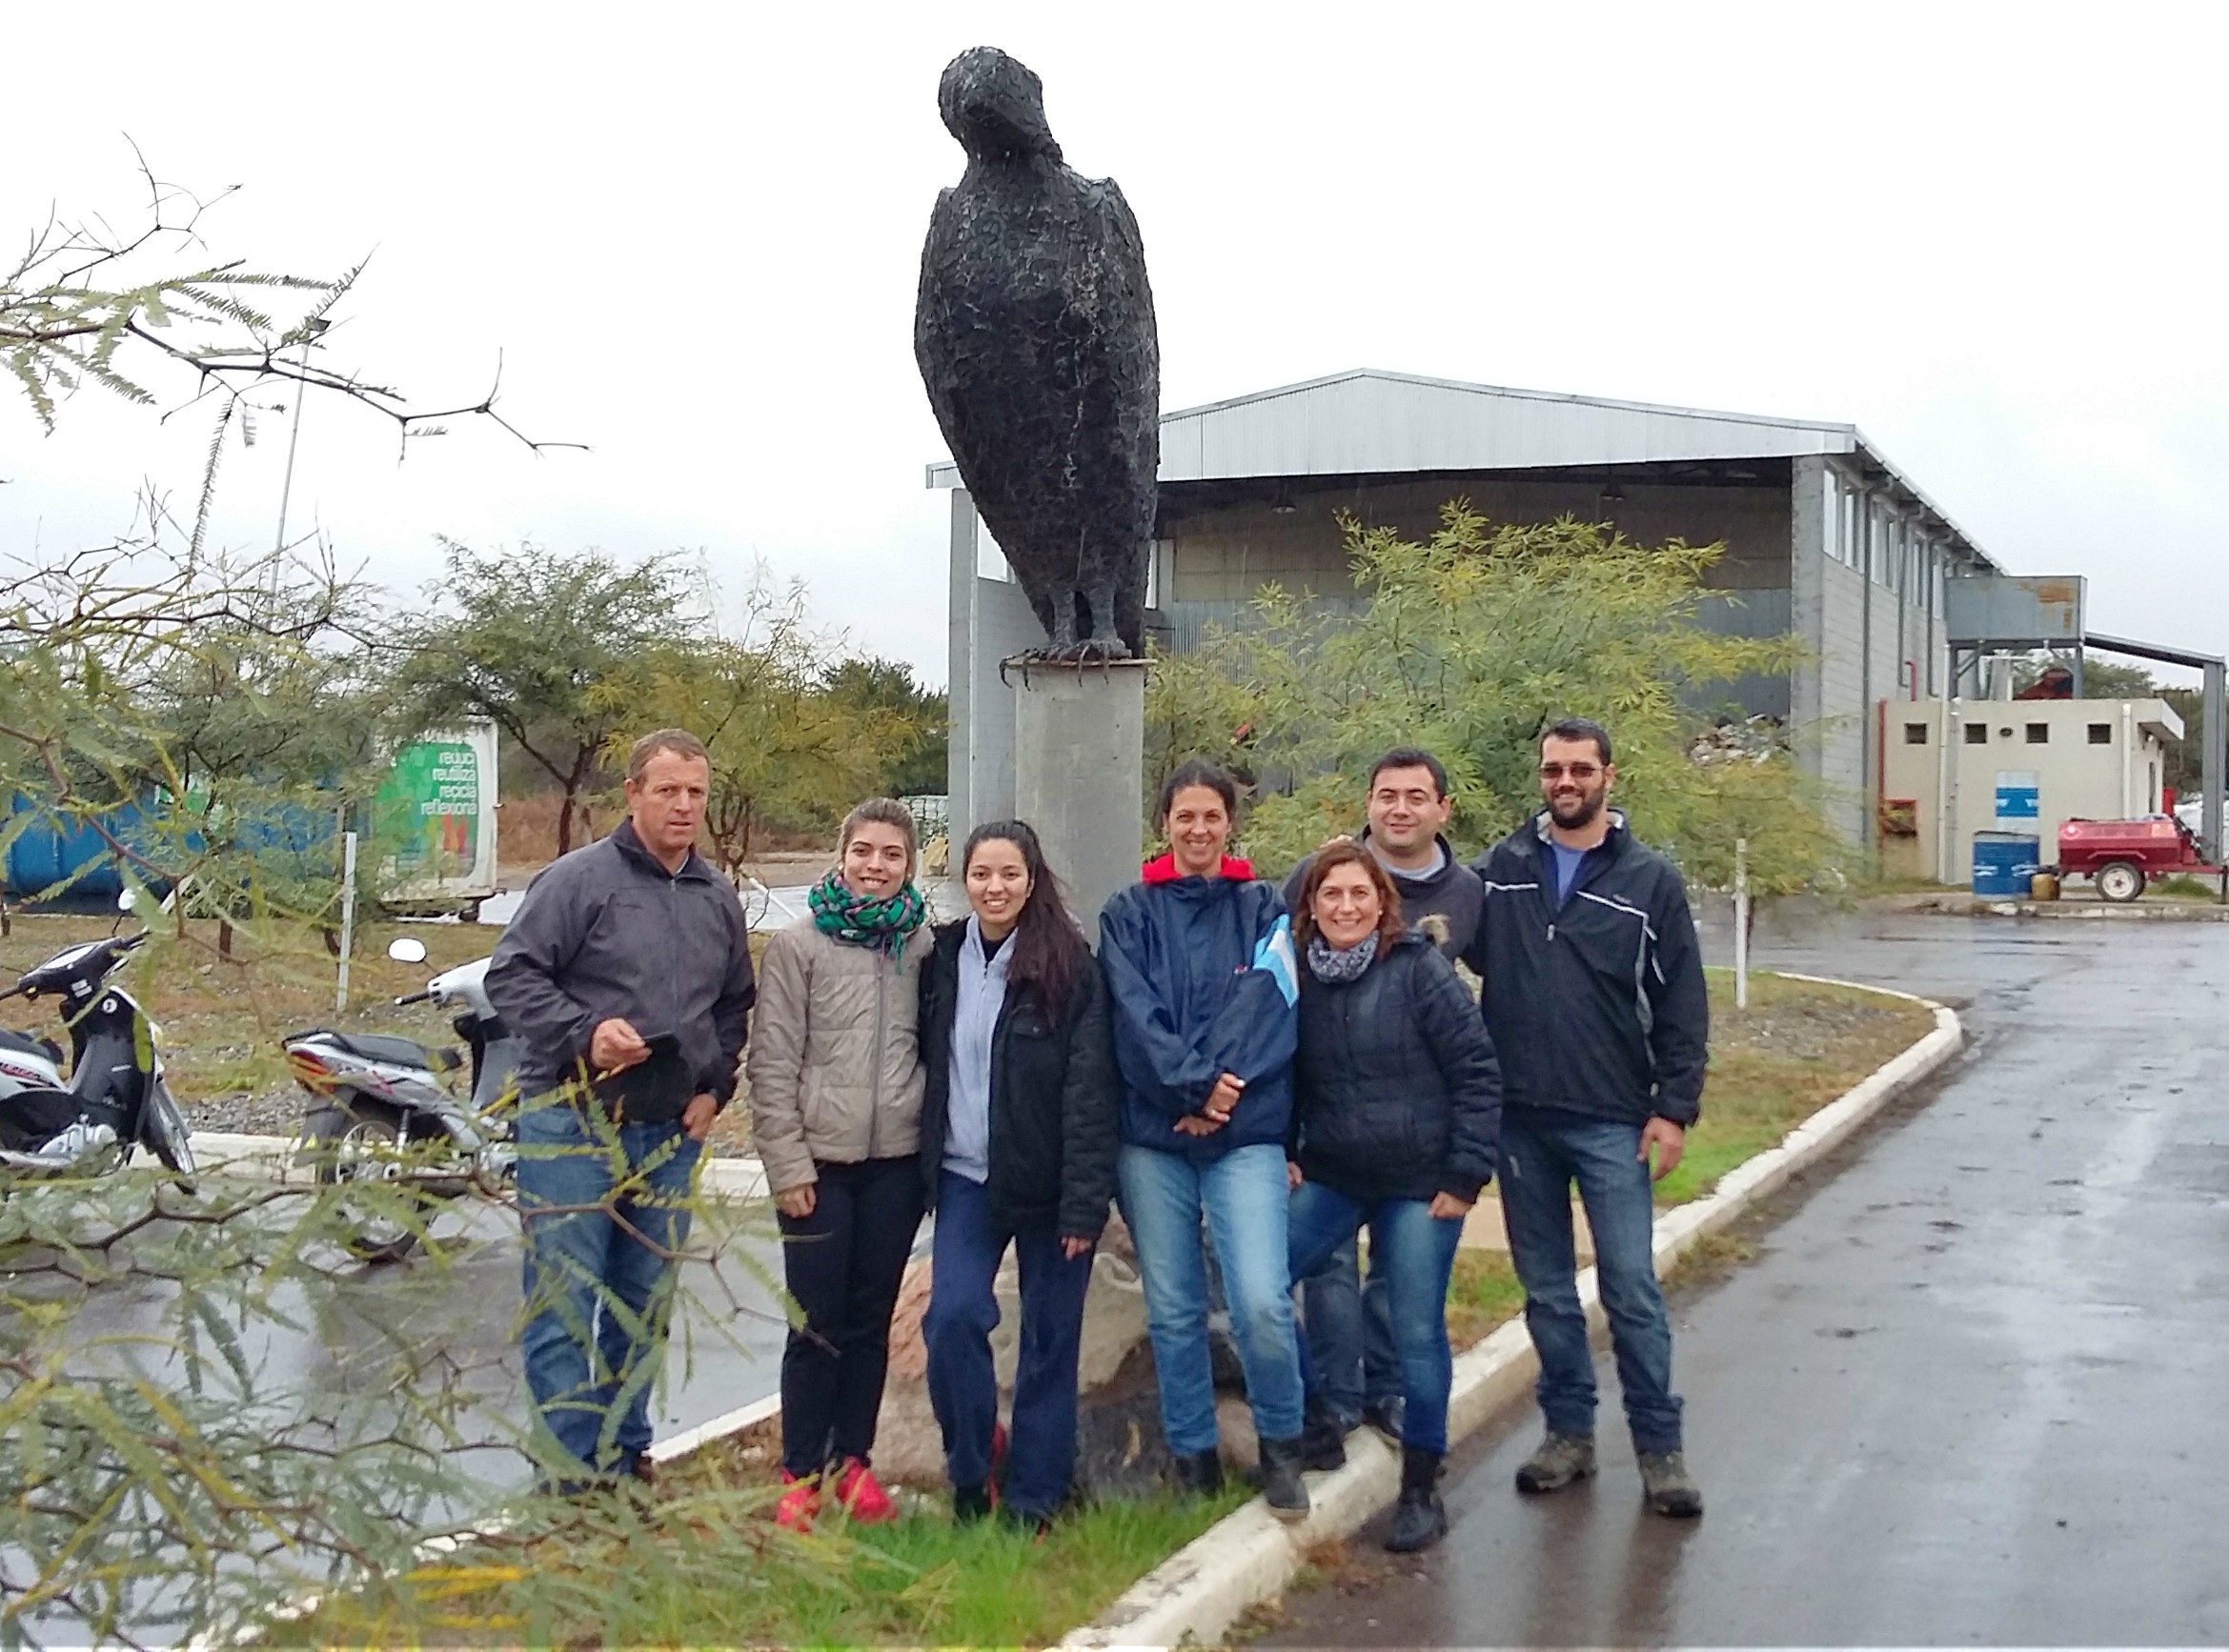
(1396, 1090)
(1597, 1007)
(1444, 905)
(1056, 1096)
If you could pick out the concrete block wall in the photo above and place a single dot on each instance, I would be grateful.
(1224, 550)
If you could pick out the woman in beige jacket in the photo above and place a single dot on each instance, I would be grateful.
(836, 1092)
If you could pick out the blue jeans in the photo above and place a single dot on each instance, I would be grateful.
(1349, 1334)
(1543, 1153)
(1243, 1195)
(599, 1297)
(1414, 1252)
(964, 1310)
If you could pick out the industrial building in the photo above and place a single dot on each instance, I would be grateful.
(1825, 539)
(1952, 770)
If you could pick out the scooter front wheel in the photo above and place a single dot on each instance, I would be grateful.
(164, 1131)
(362, 1144)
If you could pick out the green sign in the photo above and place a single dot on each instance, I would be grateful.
(429, 810)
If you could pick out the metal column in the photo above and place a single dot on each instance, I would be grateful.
(2210, 763)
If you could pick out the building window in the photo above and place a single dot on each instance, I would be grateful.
(1915, 734)
(2100, 734)
(1977, 733)
(2038, 734)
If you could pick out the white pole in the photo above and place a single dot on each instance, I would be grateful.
(1741, 923)
(348, 914)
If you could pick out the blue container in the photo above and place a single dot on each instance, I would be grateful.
(2003, 863)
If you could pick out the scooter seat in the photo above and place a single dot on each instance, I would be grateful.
(394, 1051)
(24, 1044)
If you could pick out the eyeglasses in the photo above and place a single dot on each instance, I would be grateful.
(1576, 771)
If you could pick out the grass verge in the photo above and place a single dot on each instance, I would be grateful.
(706, 1568)
(1798, 1046)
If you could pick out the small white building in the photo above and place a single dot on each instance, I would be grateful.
(1951, 769)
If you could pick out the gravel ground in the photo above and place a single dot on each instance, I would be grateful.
(1806, 1027)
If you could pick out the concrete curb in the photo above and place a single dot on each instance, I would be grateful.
(1250, 1557)
(2160, 911)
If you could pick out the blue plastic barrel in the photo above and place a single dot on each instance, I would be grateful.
(2003, 863)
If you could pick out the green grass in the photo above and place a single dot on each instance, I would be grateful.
(1481, 1293)
(708, 1569)
(1798, 1046)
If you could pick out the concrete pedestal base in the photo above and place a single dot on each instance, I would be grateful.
(1079, 769)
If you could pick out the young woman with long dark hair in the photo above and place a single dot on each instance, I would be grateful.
(836, 1093)
(1017, 1148)
(1397, 1112)
(1198, 961)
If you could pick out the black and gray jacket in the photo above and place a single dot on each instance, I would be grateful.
(607, 931)
(1598, 1008)
(1056, 1098)
(1444, 905)
(1396, 1093)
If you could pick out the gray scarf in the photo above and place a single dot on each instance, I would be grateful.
(1336, 965)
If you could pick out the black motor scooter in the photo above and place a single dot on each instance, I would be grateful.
(116, 1098)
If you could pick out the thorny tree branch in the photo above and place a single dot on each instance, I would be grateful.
(68, 309)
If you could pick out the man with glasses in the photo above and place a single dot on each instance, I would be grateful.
(1594, 993)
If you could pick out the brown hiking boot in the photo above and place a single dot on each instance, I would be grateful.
(1558, 1462)
(1669, 1488)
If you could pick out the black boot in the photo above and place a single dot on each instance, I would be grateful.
(971, 1504)
(1281, 1482)
(1420, 1520)
(1197, 1475)
(1323, 1444)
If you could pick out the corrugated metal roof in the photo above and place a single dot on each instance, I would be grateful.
(1370, 422)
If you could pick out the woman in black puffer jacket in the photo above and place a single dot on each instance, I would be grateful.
(1396, 1114)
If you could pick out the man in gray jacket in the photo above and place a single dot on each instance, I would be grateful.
(626, 974)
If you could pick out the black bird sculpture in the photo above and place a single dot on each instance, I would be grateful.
(1033, 331)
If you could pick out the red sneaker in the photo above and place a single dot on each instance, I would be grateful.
(799, 1503)
(859, 1491)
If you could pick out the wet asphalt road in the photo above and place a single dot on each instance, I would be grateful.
(345, 1333)
(1971, 1387)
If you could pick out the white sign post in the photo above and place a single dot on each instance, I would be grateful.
(1741, 923)
(348, 914)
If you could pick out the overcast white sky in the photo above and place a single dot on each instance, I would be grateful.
(1989, 235)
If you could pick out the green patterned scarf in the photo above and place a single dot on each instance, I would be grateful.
(883, 922)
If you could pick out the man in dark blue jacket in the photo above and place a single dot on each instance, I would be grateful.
(1594, 993)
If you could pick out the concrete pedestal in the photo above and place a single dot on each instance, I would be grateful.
(1079, 769)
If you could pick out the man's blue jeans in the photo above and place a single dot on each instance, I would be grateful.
(1414, 1252)
(601, 1209)
(1543, 1153)
(1349, 1336)
(1243, 1195)
(964, 1310)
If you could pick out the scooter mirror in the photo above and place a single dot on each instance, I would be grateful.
(127, 901)
(407, 949)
